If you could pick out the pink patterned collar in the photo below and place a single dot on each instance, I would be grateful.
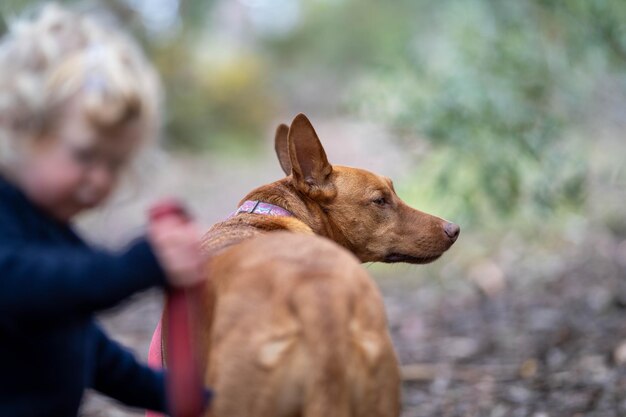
(259, 207)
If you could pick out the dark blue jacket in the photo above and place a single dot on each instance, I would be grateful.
(51, 283)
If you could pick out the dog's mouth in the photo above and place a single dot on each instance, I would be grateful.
(400, 257)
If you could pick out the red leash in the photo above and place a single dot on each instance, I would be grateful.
(179, 335)
(184, 382)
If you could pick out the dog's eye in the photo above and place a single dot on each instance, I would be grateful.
(380, 201)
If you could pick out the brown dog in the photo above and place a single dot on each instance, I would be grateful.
(293, 325)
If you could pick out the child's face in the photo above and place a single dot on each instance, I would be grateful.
(75, 167)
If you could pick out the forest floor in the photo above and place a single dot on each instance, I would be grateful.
(557, 348)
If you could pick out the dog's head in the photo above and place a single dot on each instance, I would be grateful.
(362, 208)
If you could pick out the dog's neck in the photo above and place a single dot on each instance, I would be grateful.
(308, 217)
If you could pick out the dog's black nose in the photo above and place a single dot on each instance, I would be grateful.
(452, 230)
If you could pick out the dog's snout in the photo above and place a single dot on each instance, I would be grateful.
(452, 230)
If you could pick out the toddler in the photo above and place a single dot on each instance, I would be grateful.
(77, 102)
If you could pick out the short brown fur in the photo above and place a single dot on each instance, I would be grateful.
(293, 325)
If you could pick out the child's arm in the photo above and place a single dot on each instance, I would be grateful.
(120, 376)
(51, 282)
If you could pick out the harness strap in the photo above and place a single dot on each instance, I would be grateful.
(155, 359)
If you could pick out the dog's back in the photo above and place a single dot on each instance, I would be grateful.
(300, 331)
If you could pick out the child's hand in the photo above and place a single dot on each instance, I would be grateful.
(177, 247)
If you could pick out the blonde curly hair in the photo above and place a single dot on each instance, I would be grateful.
(60, 54)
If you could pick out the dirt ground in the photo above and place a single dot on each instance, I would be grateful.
(553, 347)
(557, 349)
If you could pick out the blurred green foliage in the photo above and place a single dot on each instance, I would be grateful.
(497, 90)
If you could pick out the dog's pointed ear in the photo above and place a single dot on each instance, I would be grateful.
(309, 164)
(281, 145)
